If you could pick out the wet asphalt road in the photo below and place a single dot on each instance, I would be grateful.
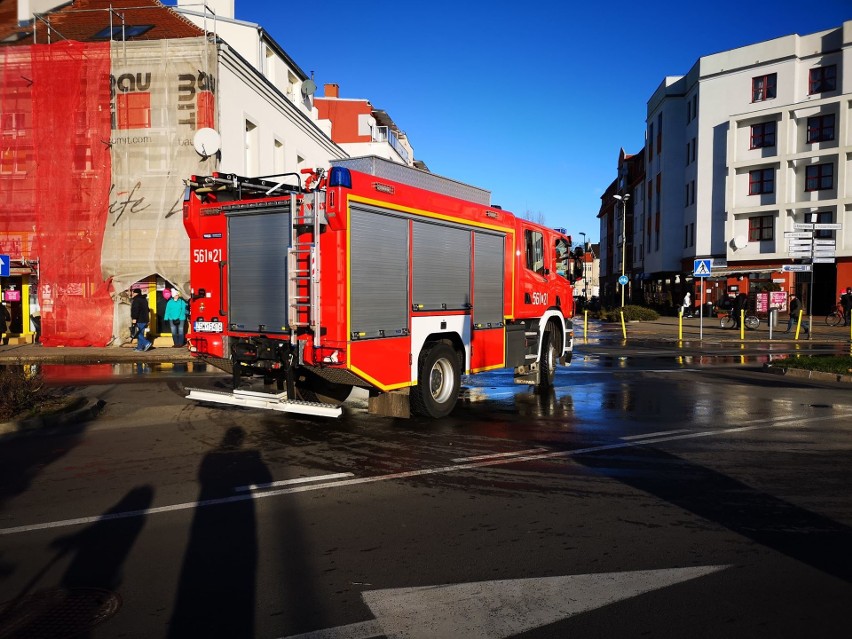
(655, 493)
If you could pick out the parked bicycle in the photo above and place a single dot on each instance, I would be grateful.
(835, 317)
(730, 321)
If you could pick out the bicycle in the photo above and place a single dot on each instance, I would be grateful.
(729, 321)
(835, 317)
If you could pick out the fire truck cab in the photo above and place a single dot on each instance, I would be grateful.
(370, 274)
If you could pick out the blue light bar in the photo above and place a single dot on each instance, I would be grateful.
(340, 176)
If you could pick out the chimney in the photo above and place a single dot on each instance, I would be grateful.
(331, 90)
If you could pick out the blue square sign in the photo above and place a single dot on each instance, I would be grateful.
(5, 264)
(702, 268)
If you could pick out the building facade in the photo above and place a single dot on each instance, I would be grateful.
(740, 152)
(101, 102)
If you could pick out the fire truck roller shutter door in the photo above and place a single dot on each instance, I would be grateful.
(379, 273)
(487, 280)
(441, 263)
(257, 269)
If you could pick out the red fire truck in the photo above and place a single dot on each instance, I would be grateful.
(370, 274)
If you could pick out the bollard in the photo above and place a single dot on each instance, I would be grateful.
(680, 324)
(623, 326)
(585, 326)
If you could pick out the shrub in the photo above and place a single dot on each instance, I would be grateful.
(21, 389)
(631, 313)
(840, 364)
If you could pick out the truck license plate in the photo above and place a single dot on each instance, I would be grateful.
(207, 327)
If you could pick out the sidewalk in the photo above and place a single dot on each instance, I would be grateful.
(663, 329)
(163, 351)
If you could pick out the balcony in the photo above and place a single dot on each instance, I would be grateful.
(386, 134)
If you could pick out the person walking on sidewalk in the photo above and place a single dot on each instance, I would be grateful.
(795, 308)
(686, 311)
(139, 314)
(846, 303)
(175, 315)
(5, 318)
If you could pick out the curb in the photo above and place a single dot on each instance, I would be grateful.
(803, 373)
(85, 409)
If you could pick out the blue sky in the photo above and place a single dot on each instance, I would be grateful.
(530, 101)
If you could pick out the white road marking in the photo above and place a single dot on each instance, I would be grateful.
(502, 608)
(657, 434)
(290, 482)
(758, 424)
(500, 455)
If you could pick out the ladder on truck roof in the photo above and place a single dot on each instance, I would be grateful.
(303, 265)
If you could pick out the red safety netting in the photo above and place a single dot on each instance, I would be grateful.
(54, 168)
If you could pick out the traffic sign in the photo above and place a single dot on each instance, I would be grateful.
(796, 268)
(797, 234)
(799, 242)
(623, 280)
(830, 253)
(823, 260)
(702, 268)
(799, 251)
(5, 265)
(824, 242)
(803, 227)
(828, 226)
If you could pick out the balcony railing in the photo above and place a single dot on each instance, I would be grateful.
(386, 134)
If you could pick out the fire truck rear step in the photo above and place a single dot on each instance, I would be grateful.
(268, 401)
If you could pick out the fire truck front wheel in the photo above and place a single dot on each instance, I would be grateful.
(550, 351)
(438, 381)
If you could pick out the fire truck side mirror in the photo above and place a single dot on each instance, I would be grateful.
(199, 295)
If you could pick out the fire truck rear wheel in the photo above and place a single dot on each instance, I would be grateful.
(549, 356)
(438, 381)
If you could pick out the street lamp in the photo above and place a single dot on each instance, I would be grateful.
(623, 199)
(585, 283)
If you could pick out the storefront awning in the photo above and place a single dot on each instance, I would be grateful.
(732, 272)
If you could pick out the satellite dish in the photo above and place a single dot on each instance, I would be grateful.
(309, 87)
(206, 142)
(739, 242)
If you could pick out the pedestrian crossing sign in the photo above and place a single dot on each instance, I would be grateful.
(702, 268)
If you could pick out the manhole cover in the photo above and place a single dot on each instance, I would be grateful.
(56, 614)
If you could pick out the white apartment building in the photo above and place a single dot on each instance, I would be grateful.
(747, 144)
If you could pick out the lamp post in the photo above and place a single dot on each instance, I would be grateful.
(585, 283)
(623, 199)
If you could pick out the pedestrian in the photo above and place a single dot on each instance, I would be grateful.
(35, 318)
(175, 315)
(139, 315)
(846, 303)
(795, 309)
(740, 304)
(687, 304)
(5, 319)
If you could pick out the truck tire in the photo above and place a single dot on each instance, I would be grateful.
(438, 381)
(550, 352)
(313, 388)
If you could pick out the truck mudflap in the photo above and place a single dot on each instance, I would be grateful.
(268, 401)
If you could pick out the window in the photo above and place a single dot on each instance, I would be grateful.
(694, 148)
(822, 79)
(251, 150)
(686, 192)
(819, 177)
(692, 233)
(763, 135)
(761, 181)
(535, 251)
(128, 31)
(763, 87)
(824, 217)
(821, 128)
(651, 140)
(685, 235)
(692, 198)
(659, 191)
(659, 133)
(760, 228)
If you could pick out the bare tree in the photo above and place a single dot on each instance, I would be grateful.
(535, 216)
